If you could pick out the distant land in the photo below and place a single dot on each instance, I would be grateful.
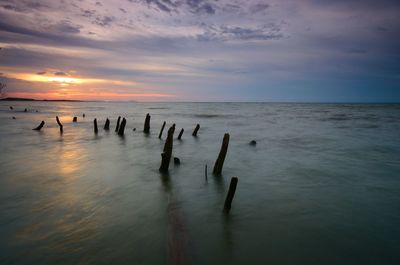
(31, 99)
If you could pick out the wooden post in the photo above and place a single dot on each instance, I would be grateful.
(59, 124)
(117, 127)
(219, 163)
(196, 130)
(167, 153)
(75, 119)
(180, 134)
(162, 129)
(96, 130)
(205, 172)
(231, 194)
(39, 127)
(122, 127)
(107, 125)
(147, 124)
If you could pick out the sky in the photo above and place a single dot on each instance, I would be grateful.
(201, 50)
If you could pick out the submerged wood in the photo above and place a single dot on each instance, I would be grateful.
(180, 134)
(196, 130)
(75, 119)
(39, 127)
(167, 152)
(118, 121)
(219, 163)
(177, 161)
(231, 194)
(60, 125)
(205, 172)
(121, 130)
(146, 128)
(107, 125)
(96, 130)
(161, 131)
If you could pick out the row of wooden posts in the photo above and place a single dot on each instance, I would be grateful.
(167, 150)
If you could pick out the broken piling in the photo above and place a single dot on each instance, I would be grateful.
(219, 163)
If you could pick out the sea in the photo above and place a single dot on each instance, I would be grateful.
(320, 186)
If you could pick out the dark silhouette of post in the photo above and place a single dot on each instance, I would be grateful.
(118, 121)
(122, 127)
(231, 194)
(75, 119)
(96, 130)
(39, 127)
(180, 134)
(161, 131)
(107, 125)
(60, 125)
(196, 130)
(167, 153)
(219, 163)
(146, 128)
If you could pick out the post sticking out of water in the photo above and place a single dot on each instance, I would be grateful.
(167, 153)
(161, 131)
(219, 163)
(107, 125)
(180, 134)
(231, 194)
(96, 130)
(39, 127)
(196, 130)
(59, 124)
(122, 127)
(147, 124)
(205, 172)
(75, 119)
(117, 127)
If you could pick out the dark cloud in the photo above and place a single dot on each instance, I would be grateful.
(41, 73)
(60, 74)
(104, 21)
(66, 27)
(260, 7)
(226, 33)
(123, 10)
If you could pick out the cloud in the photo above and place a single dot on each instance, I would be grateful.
(227, 33)
(60, 73)
(41, 73)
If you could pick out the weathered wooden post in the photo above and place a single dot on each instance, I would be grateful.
(219, 163)
(75, 119)
(107, 125)
(231, 194)
(161, 131)
(205, 172)
(25, 110)
(59, 124)
(96, 130)
(167, 153)
(83, 115)
(147, 124)
(122, 127)
(117, 127)
(39, 127)
(180, 134)
(196, 130)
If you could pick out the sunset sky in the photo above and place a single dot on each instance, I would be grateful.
(201, 50)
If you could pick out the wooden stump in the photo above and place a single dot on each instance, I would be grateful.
(121, 130)
(107, 125)
(118, 121)
(96, 130)
(161, 131)
(39, 127)
(180, 134)
(147, 124)
(75, 119)
(167, 152)
(219, 163)
(231, 194)
(196, 130)
(60, 125)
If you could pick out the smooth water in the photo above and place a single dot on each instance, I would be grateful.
(322, 185)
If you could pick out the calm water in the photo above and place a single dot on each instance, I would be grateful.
(322, 185)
